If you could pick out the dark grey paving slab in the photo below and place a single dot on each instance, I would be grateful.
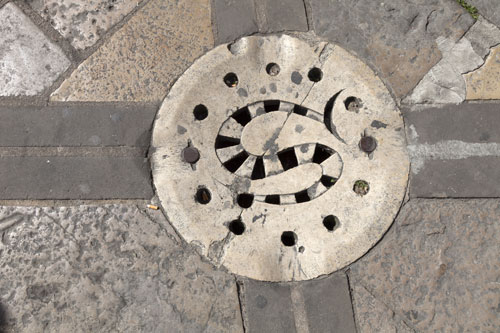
(328, 304)
(83, 125)
(112, 268)
(398, 38)
(473, 177)
(56, 177)
(467, 122)
(268, 307)
(234, 19)
(489, 9)
(437, 268)
(281, 15)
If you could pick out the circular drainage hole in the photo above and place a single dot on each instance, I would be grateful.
(330, 222)
(203, 195)
(315, 74)
(353, 104)
(245, 200)
(231, 80)
(237, 227)
(289, 238)
(273, 69)
(200, 112)
(361, 187)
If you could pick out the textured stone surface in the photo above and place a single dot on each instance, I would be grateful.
(91, 177)
(281, 15)
(488, 8)
(484, 83)
(234, 19)
(319, 118)
(483, 36)
(83, 22)
(437, 268)
(102, 269)
(142, 59)
(29, 61)
(397, 37)
(82, 125)
(374, 316)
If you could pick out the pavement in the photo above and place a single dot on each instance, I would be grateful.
(81, 250)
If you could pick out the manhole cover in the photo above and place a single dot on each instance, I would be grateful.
(280, 159)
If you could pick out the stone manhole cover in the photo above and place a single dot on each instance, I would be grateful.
(280, 159)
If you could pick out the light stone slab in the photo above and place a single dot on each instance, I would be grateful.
(484, 83)
(29, 61)
(258, 252)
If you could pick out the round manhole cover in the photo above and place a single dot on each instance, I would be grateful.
(280, 159)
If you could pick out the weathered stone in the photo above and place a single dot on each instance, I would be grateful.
(91, 177)
(268, 307)
(82, 125)
(484, 83)
(438, 265)
(234, 19)
(281, 15)
(374, 316)
(102, 269)
(83, 22)
(29, 61)
(142, 59)
(488, 8)
(397, 38)
(483, 35)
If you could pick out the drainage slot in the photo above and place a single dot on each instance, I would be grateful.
(231, 80)
(225, 141)
(259, 171)
(236, 161)
(321, 153)
(299, 110)
(203, 196)
(302, 196)
(273, 199)
(315, 74)
(200, 112)
(271, 105)
(289, 238)
(330, 222)
(237, 227)
(245, 200)
(242, 116)
(272, 69)
(328, 181)
(288, 158)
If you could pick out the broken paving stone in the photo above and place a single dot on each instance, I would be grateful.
(437, 266)
(484, 83)
(490, 9)
(29, 61)
(83, 22)
(142, 59)
(108, 268)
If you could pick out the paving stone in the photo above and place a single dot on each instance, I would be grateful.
(483, 36)
(454, 150)
(484, 83)
(142, 59)
(488, 8)
(397, 38)
(83, 22)
(82, 125)
(437, 267)
(328, 304)
(106, 269)
(234, 19)
(373, 316)
(281, 15)
(29, 61)
(65, 178)
(268, 307)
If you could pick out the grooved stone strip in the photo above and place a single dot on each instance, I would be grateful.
(234, 19)
(67, 178)
(88, 125)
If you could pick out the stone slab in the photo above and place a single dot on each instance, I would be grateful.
(82, 125)
(234, 19)
(437, 267)
(281, 15)
(83, 22)
(397, 38)
(489, 9)
(268, 307)
(328, 304)
(484, 83)
(66, 178)
(467, 122)
(112, 268)
(142, 59)
(472, 177)
(29, 61)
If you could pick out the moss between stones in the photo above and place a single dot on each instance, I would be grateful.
(471, 9)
